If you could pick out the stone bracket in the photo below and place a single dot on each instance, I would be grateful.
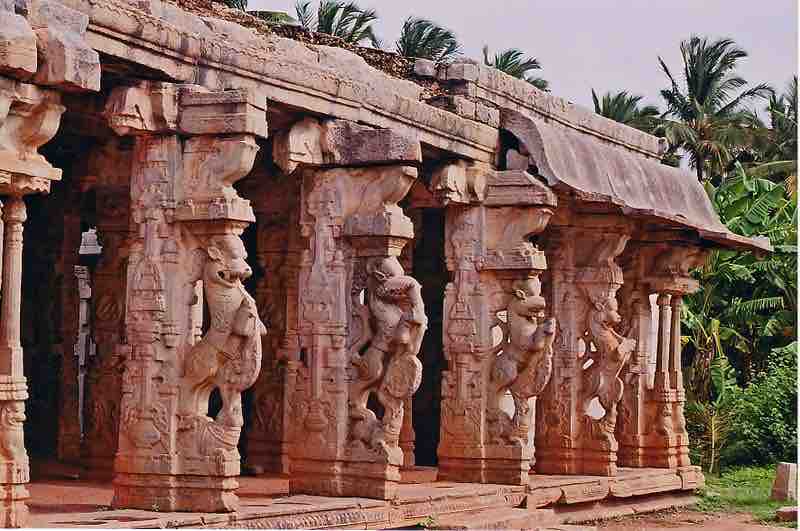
(29, 117)
(157, 107)
(313, 142)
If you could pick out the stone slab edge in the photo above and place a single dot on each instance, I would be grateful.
(490, 84)
(219, 54)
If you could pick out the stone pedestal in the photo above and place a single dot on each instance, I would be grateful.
(785, 485)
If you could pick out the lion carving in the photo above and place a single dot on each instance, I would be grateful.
(389, 365)
(228, 357)
(525, 364)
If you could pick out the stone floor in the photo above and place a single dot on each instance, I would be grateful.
(552, 500)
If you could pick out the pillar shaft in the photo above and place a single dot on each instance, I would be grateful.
(14, 468)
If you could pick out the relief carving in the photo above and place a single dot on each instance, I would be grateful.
(611, 352)
(228, 357)
(524, 366)
(389, 366)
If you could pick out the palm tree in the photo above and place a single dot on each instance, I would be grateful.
(710, 122)
(421, 38)
(236, 4)
(624, 108)
(340, 19)
(514, 63)
(778, 158)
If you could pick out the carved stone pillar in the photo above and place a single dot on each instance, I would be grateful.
(84, 346)
(663, 442)
(29, 117)
(495, 288)
(361, 318)
(109, 174)
(188, 220)
(63, 236)
(276, 203)
(633, 414)
(577, 413)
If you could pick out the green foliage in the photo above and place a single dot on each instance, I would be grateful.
(274, 17)
(624, 108)
(766, 420)
(341, 19)
(421, 38)
(711, 421)
(753, 301)
(745, 489)
(514, 63)
(236, 4)
(745, 312)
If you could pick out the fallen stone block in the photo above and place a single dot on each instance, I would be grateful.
(786, 514)
(785, 485)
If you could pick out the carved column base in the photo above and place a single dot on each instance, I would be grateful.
(655, 451)
(175, 493)
(558, 461)
(14, 465)
(598, 462)
(342, 478)
(508, 464)
(13, 511)
(503, 464)
(272, 456)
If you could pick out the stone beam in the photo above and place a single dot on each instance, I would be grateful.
(341, 143)
(47, 45)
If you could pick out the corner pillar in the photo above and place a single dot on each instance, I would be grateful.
(665, 442)
(29, 117)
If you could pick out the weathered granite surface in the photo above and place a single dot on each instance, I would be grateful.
(215, 159)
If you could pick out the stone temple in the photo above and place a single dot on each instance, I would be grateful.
(443, 297)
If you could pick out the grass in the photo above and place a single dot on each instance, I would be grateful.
(745, 489)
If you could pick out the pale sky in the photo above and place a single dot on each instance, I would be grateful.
(605, 44)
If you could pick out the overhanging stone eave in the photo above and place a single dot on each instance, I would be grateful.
(596, 171)
(196, 59)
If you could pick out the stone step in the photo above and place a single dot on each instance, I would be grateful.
(505, 518)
